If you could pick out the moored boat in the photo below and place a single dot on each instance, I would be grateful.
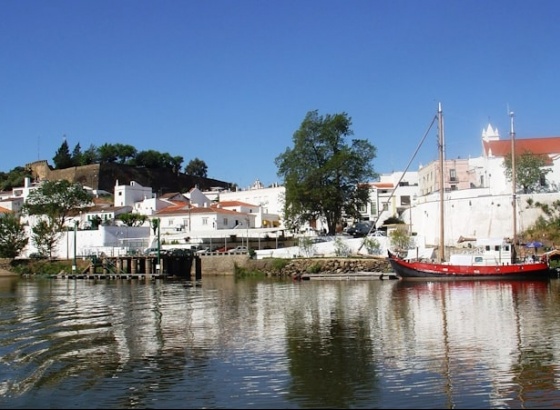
(495, 261)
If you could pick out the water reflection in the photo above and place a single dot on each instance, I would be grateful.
(492, 339)
(279, 344)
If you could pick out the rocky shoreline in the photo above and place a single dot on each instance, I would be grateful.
(306, 266)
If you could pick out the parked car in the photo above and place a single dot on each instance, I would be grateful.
(378, 233)
(37, 255)
(154, 252)
(239, 249)
(224, 249)
(360, 229)
(204, 250)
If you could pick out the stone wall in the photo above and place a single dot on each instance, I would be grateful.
(105, 176)
(225, 265)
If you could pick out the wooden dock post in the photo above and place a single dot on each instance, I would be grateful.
(197, 267)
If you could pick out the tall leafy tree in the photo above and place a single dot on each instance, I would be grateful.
(107, 153)
(530, 170)
(77, 159)
(197, 167)
(149, 159)
(90, 156)
(125, 152)
(52, 202)
(62, 158)
(45, 236)
(323, 173)
(13, 237)
(55, 200)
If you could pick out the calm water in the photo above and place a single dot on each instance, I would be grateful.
(227, 343)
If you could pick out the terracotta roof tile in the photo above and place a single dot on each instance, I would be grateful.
(537, 146)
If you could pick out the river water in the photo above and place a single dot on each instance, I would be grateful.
(245, 343)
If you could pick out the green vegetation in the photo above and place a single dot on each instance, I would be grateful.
(12, 236)
(14, 178)
(241, 272)
(278, 264)
(400, 239)
(323, 175)
(372, 245)
(314, 268)
(547, 226)
(306, 246)
(341, 248)
(52, 203)
(197, 168)
(132, 219)
(529, 170)
(44, 267)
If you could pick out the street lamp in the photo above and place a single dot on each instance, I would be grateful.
(247, 233)
(74, 265)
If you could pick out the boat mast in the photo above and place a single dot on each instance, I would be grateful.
(441, 187)
(513, 189)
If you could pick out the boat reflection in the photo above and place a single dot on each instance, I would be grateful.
(468, 331)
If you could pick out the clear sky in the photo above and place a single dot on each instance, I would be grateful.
(229, 82)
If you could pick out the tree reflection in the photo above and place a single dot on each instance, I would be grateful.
(333, 366)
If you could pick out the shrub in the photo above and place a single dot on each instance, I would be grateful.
(278, 264)
(372, 245)
(341, 248)
(315, 268)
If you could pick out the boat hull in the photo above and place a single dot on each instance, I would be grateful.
(428, 270)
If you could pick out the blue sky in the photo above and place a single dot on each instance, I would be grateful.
(229, 82)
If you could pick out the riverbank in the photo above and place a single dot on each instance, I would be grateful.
(227, 265)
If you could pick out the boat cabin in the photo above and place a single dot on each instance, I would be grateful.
(487, 252)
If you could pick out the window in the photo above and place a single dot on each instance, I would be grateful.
(205, 221)
(405, 200)
(453, 175)
(373, 208)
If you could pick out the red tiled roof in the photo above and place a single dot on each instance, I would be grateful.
(537, 146)
(232, 203)
(383, 184)
(5, 211)
(184, 210)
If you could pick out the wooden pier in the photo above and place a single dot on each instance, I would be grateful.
(140, 267)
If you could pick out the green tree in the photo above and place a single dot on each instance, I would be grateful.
(132, 219)
(13, 237)
(323, 175)
(45, 235)
(62, 158)
(90, 156)
(52, 202)
(149, 159)
(124, 153)
(55, 200)
(530, 170)
(175, 163)
(14, 178)
(107, 153)
(197, 168)
(77, 156)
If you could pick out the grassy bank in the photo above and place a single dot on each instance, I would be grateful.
(42, 266)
